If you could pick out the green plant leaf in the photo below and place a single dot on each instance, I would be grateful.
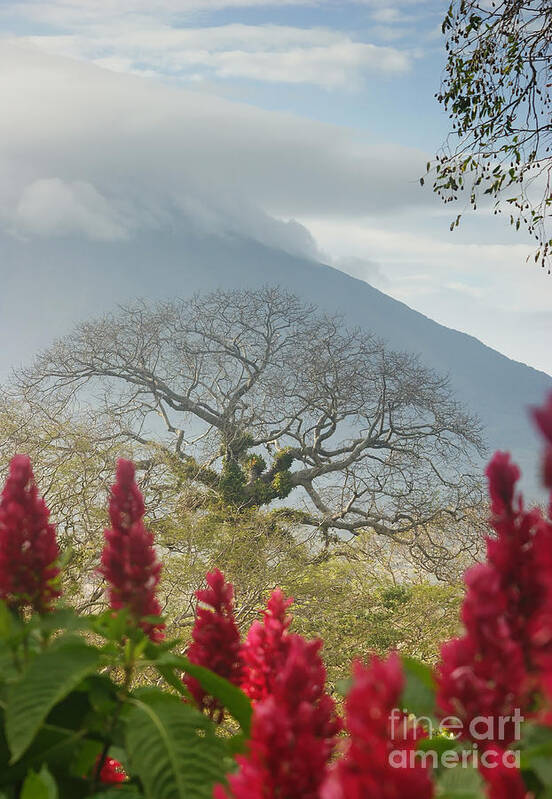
(438, 744)
(536, 741)
(39, 785)
(52, 746)
(48, 679)
(172, 747)
(542, 766)
(418, 696)
(231, 697)
(7, 621)
(460, 783)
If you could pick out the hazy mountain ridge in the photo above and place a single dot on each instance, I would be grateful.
(42, 297)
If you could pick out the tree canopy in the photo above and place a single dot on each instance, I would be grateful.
(256, 397)
(496, 89)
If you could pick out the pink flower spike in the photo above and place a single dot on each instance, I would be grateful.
(503, 476)
(293, 732)
(543, 419)
(379, 759)
(129, 563)
(265, 648)
(215, 640)
(28, 546)
(504, 780)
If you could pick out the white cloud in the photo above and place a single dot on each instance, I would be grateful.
(275, 53)
(475, 279)
(103, 155)
(150, 149)
(387, 14)
(362, 268)
(52, 207)
(67, 12)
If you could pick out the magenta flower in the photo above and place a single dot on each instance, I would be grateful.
(379, 760)
(265, 649)
(129, 563)
(506, 651)
(215, 640)
(503, 780)
(543, 420)
(507, 616)
(28, 546)
(294, 725)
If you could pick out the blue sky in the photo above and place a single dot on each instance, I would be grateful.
(356, 79)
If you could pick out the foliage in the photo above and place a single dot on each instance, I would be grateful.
(496, 89)
(337, 588)
(73, 717)
(254, 397)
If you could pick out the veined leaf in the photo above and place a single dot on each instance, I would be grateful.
(419, 692)
(39, 786)
(172, 747)
(49, 678)
(52, 745)
(231, 697)
(460, 783)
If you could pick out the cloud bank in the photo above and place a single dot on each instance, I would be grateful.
(86, 152)
(84, 149)
(270, 53)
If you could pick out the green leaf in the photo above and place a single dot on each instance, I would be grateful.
(120, 792)
(39, 786)
(52, 745)
(438, 744)
(460, 783)
(231, 697)
(419, 691)
(7, 621)
(174, 680)
(49, 678)
(542, 766)
(536, 752)
(8, 668)
(172, 747)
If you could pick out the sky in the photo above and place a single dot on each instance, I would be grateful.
(303, 124)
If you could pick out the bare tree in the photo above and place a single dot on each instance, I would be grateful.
(256, 397)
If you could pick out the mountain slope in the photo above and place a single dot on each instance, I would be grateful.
(42, 297)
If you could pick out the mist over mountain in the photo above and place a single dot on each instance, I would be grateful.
(78, 279)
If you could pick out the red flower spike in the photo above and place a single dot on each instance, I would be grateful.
(129, 563)
(293, 732)
(215, 641)
(506, 651)
(543, 419)
(265, 650)
(503, 476)
(28, 546)
(379, 759)
(487, 672)
(503, 780)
